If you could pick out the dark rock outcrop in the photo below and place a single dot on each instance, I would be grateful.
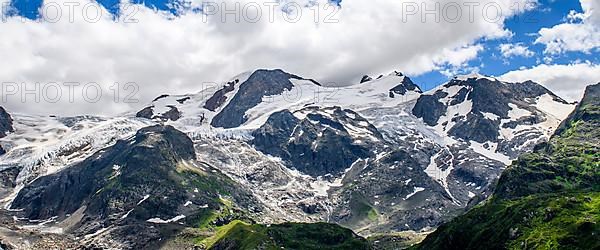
(183, 100)
(406, 85)
(365, 78)
(141, 167)
(147, 113)
(251, 92)
(316, 145)
(6, 123)
(8, 180)
(429, 108)
(219, 98)
(172, 114)
(160, 97)
(486, 130)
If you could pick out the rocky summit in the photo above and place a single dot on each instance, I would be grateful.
(269, 159)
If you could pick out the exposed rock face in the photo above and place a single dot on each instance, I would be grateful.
(476, 128)
(404, 87)
(260, 84)
(429, 108)
(6, 123)
(160, 97)
(183, 100)
(156, 150)
(6, 126)
(413, 187)
(147, 113)
(219, 97)
(172, 114)
(152, 178)
(365, 78)
(319, 144)
(479, 104)
(403, 192)
(8, 180)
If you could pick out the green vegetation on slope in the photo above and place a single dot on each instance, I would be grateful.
(553, 221)
(239, 235)
(548, 199)
(395, 240)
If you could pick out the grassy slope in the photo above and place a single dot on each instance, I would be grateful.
(239, 235)
(549, 199)
(553, 221)
(395, 240)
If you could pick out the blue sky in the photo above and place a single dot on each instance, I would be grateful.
(524, 28)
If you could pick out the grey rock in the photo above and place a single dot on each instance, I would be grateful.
(251, 92)
(429, 108)
(365, 78)
(6, 123)
(406, 85)
(219, 98)
(317, 145)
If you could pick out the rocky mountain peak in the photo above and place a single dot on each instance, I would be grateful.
(469, 102)
(405, 86)
(251, 92)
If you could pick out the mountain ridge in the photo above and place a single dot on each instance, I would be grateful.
(299, 152)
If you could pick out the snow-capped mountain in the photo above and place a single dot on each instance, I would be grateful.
(378, 156)
(247, 100)
(456, 138)
(498, 116)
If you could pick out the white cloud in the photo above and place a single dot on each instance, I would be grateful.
(580, 33)
(567, 81)
(176, 55)
(511, 50)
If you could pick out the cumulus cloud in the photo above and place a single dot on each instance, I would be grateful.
(510, 50)
(567, 81)
(162, 53)
(580, 33)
